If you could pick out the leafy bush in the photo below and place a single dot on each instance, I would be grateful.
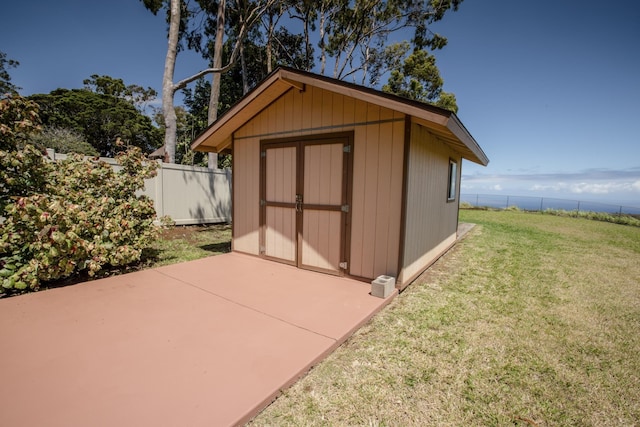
(23, 169)
(63, 141)
(64, 217)
(597, 216)
(466, 205)
(513, 208)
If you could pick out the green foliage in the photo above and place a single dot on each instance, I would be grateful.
(69, 216)
(153, 5)
(90, 217)
(187, 127)
(6, 87)
(196, 101)
(447, 101)
(290, 50)
(19, 119)
(22, 166)
(391, 57)
(596, 216)
(353, 34)
(415, 76)
(418, 78)
(63, 141)
(134, 94)
(101, 118)
(466, 205)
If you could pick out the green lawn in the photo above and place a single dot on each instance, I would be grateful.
(531, 320)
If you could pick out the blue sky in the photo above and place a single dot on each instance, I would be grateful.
(550, 89)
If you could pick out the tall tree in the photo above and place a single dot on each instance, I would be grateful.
(99, 117)
(360, 29)
(63, 140)
(306, 11)
(251, 14)
(106, 85)
(215, 80)
(6, 87)
(352, 37)
(188, 127)
(418, 78)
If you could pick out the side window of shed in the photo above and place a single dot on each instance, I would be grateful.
(453, 175)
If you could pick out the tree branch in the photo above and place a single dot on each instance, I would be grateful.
(254, 15)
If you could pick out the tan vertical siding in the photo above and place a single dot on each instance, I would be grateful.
(431, 221)
(280, 233)
(323, 174)
(281, 175)
(370, 191)
(358, 182)
(306, 110)
(246, 214)
(323, 186)
(321, 245)
(383, 207)
(395, 194)
(377, 192)
(337, 109)
(316, 107)
(377, 171)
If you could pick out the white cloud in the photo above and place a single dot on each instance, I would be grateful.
(592, 188)
(586, 187)
(592, 184)
(603, 187)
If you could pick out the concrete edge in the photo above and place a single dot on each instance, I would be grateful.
(463, 229)
(306, 369)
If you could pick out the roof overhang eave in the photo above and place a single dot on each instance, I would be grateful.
(457, 128)
(454, 134)
(444, 124)
(217, 136)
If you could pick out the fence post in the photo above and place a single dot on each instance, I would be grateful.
(578, 206)
(541, 202)
(507, 202)
(159, 202)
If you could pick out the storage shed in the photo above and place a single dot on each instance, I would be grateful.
(342, 179)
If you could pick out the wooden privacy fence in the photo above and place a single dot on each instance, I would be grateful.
(188, 194)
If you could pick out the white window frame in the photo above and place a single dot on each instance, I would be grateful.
(453, 181)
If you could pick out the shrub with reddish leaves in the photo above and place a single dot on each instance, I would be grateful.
(79, 214)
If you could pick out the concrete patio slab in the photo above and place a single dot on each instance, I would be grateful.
(208, 342)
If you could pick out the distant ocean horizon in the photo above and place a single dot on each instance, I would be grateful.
(533, 203)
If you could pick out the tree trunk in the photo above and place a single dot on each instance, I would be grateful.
(270, 44)
(323, 53)
(243, 67)
(215, 81)
(243, 64)
(168, 91)
(307, 43)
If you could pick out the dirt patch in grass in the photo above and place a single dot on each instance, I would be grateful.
(187, 243)
(196, 233)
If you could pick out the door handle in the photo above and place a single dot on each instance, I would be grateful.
(298, 202)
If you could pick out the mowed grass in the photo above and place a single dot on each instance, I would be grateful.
(530, 320)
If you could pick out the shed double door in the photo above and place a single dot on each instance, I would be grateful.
(304, 202)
